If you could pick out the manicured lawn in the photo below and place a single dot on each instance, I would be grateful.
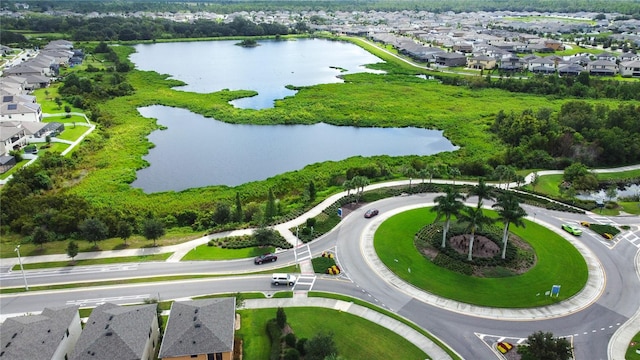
(103, 261)
(204, 252)
(393, 242)
(631, 351)
(355, 338)
(72, 132)
(172, 237)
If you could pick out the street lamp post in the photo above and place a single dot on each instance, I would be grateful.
(26, 286)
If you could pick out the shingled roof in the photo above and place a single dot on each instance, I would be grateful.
(199, 327)
(36, 337)
(116, 332)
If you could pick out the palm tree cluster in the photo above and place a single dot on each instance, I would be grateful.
(451, 204)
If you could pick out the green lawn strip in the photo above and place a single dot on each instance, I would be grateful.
(101, 261)
(386, 313)
(245, 296)
(355, 337)
(205, 252)
(393, 242)
(173, 236)
(13, 290)
(633, 352)
(630, 207)
(72, 132)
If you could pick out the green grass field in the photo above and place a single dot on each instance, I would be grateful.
(633, 352)
(101, 261)
(394, 244)
(355, 338)
(204, 252)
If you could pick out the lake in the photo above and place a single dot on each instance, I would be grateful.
(195, 151)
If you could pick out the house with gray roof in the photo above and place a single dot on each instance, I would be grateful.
(630, 68)
(17, 111)
(200, 329)
(119, 332)
(451, 59)
(51, 335)
(602, 67)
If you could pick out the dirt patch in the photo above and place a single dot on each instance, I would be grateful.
(483, 247)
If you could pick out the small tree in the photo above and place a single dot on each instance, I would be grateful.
(93, 230)
(124, 231)
(281, 318)
(67, 109)
(152, 229)
(545, 346)
(611, 192)
(535, 180)
(40, 236)
(58, 102)
(320, 346)
(237, 212)
(72, 250)
(263, 236)
(312, 191)
(270, 210)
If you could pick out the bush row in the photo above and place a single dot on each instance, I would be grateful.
(245, 241)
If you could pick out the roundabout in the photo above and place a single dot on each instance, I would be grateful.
(513, 298)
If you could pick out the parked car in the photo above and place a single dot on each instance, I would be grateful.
(265, 258)
(371, 213)
(572, 229)
(287, 279)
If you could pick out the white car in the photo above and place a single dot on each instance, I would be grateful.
(288, 279)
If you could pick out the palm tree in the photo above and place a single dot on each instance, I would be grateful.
(454, 172)
(447, 205)
(359, 183)
(510, 213)
(348, 185)
(410, 172)
(477, 220)
(482, 191)
(433, 171)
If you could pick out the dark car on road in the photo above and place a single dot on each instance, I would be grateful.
(265, 258)
(371, 213)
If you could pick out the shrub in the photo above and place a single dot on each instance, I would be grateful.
(300, 346)
(275, 334)
(291, 354)
(281, 318)
(290, 340)
(320, 264)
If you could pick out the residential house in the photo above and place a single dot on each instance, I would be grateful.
(553, 44)
(50, 335)
(630, 68)
(200, 329)
(6, 162)
(606, 56)
(629, 57)
(463, 47)
(119, 332)
(451, 59)
(602, 67)
(570, 69)
(481, 62)
(16, 111)
(12, 137)
(512, 64)
(543, 65)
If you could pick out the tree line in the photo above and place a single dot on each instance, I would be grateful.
(436, 6)
(113, 28)
(580, 132)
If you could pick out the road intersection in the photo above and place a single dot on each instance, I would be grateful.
(593, 317)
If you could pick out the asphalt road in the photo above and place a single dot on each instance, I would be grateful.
(589, 329)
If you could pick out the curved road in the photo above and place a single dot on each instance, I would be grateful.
(470, 331)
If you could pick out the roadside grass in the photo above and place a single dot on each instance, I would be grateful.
(393, 242)
(633, 352)
(172, 237)
(101, 261)
(349, 333)
(386, 313)
(20, 289)
(205, 252)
